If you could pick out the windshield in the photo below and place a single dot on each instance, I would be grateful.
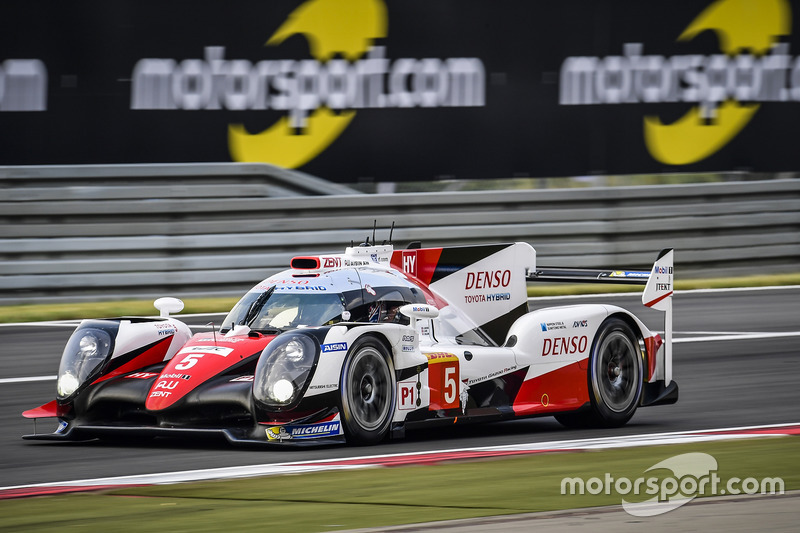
(285, 311)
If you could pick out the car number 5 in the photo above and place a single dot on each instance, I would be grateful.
(450, 385)
(189, 361)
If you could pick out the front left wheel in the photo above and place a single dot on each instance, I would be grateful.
(367, 387)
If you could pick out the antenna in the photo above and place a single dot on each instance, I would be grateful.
(374, 228)
(391, 230)
(213, 331)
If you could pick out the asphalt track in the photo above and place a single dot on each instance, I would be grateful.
(736, 361)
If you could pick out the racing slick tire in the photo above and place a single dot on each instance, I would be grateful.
(367, 387)
(615, 376)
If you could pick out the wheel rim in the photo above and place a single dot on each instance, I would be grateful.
(616, 371)
(368, 388)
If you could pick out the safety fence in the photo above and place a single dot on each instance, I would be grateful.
(205, 231)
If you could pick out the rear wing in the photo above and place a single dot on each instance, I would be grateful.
(657, 293)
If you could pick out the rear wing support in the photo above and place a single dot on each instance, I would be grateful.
(657, 293)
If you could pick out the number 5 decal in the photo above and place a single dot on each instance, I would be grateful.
(189, 361)
(443, 379)
(450, 385)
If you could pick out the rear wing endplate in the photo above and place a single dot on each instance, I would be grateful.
(657, 293)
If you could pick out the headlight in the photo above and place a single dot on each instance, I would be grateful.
(294, 351)
(282, 391)
(67, 384)
(88, 345)
(84, 355)
(284, 369)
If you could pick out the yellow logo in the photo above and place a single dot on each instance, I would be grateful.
(277, 433)
(741, 26)
(347, 27)
(346, 71)
(726, 89)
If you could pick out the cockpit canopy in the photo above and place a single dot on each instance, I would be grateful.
(286, 311)
(347, 295)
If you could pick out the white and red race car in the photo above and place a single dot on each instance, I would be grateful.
(363, 345)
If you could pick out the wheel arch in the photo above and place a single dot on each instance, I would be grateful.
(356, 332)
(637, 330)
(380, 337)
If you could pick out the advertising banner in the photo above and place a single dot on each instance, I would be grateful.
(395, 90)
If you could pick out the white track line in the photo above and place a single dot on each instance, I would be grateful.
(737, 337)
(75, 322)
(677, 292)
(650, 439)
(710, 337)
(64, 323)
(28, 379)
(60, 324)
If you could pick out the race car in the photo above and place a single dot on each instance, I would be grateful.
(362, 346)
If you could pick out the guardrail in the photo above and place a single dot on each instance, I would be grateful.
(197, 234)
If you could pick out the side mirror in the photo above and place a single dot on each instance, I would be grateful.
(238, 330)
(168, 305)
(415, 311)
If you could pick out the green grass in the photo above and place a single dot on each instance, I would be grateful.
(380, 497)
(562, 182)
(45, 312)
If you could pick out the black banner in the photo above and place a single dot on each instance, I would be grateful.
(404, 89)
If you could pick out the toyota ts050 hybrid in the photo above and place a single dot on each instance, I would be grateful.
(366, 344)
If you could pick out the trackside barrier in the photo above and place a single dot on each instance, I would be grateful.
(145, 234)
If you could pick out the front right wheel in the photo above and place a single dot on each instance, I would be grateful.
(367, 387)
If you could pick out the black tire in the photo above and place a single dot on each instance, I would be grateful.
(615, 378)
(367, 388)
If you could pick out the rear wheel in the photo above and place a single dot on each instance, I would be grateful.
(367, 392)
(615, 378)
